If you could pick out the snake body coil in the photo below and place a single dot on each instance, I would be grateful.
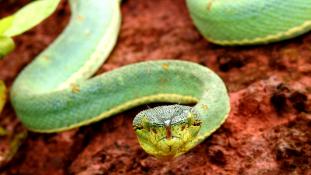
(241, 22)
(55, 92)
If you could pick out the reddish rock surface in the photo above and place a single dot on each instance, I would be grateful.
(268, 130)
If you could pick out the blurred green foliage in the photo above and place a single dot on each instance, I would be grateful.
(23, 20)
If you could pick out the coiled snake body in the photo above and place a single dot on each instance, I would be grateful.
(241, 22)
(54, 93)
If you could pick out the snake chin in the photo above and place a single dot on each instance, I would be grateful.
(167, 131)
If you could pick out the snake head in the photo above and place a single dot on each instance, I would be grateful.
(167, 131)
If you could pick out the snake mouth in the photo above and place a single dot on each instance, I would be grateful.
(172, 137)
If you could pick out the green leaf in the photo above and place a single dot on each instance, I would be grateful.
(5, 24)
(27, 17)
(2, 95)
(6, 46)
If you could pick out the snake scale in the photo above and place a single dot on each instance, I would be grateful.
(55, 92)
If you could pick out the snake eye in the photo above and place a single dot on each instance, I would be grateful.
(197, 123)
(138, 127)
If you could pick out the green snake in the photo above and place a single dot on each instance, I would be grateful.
(55, 92)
